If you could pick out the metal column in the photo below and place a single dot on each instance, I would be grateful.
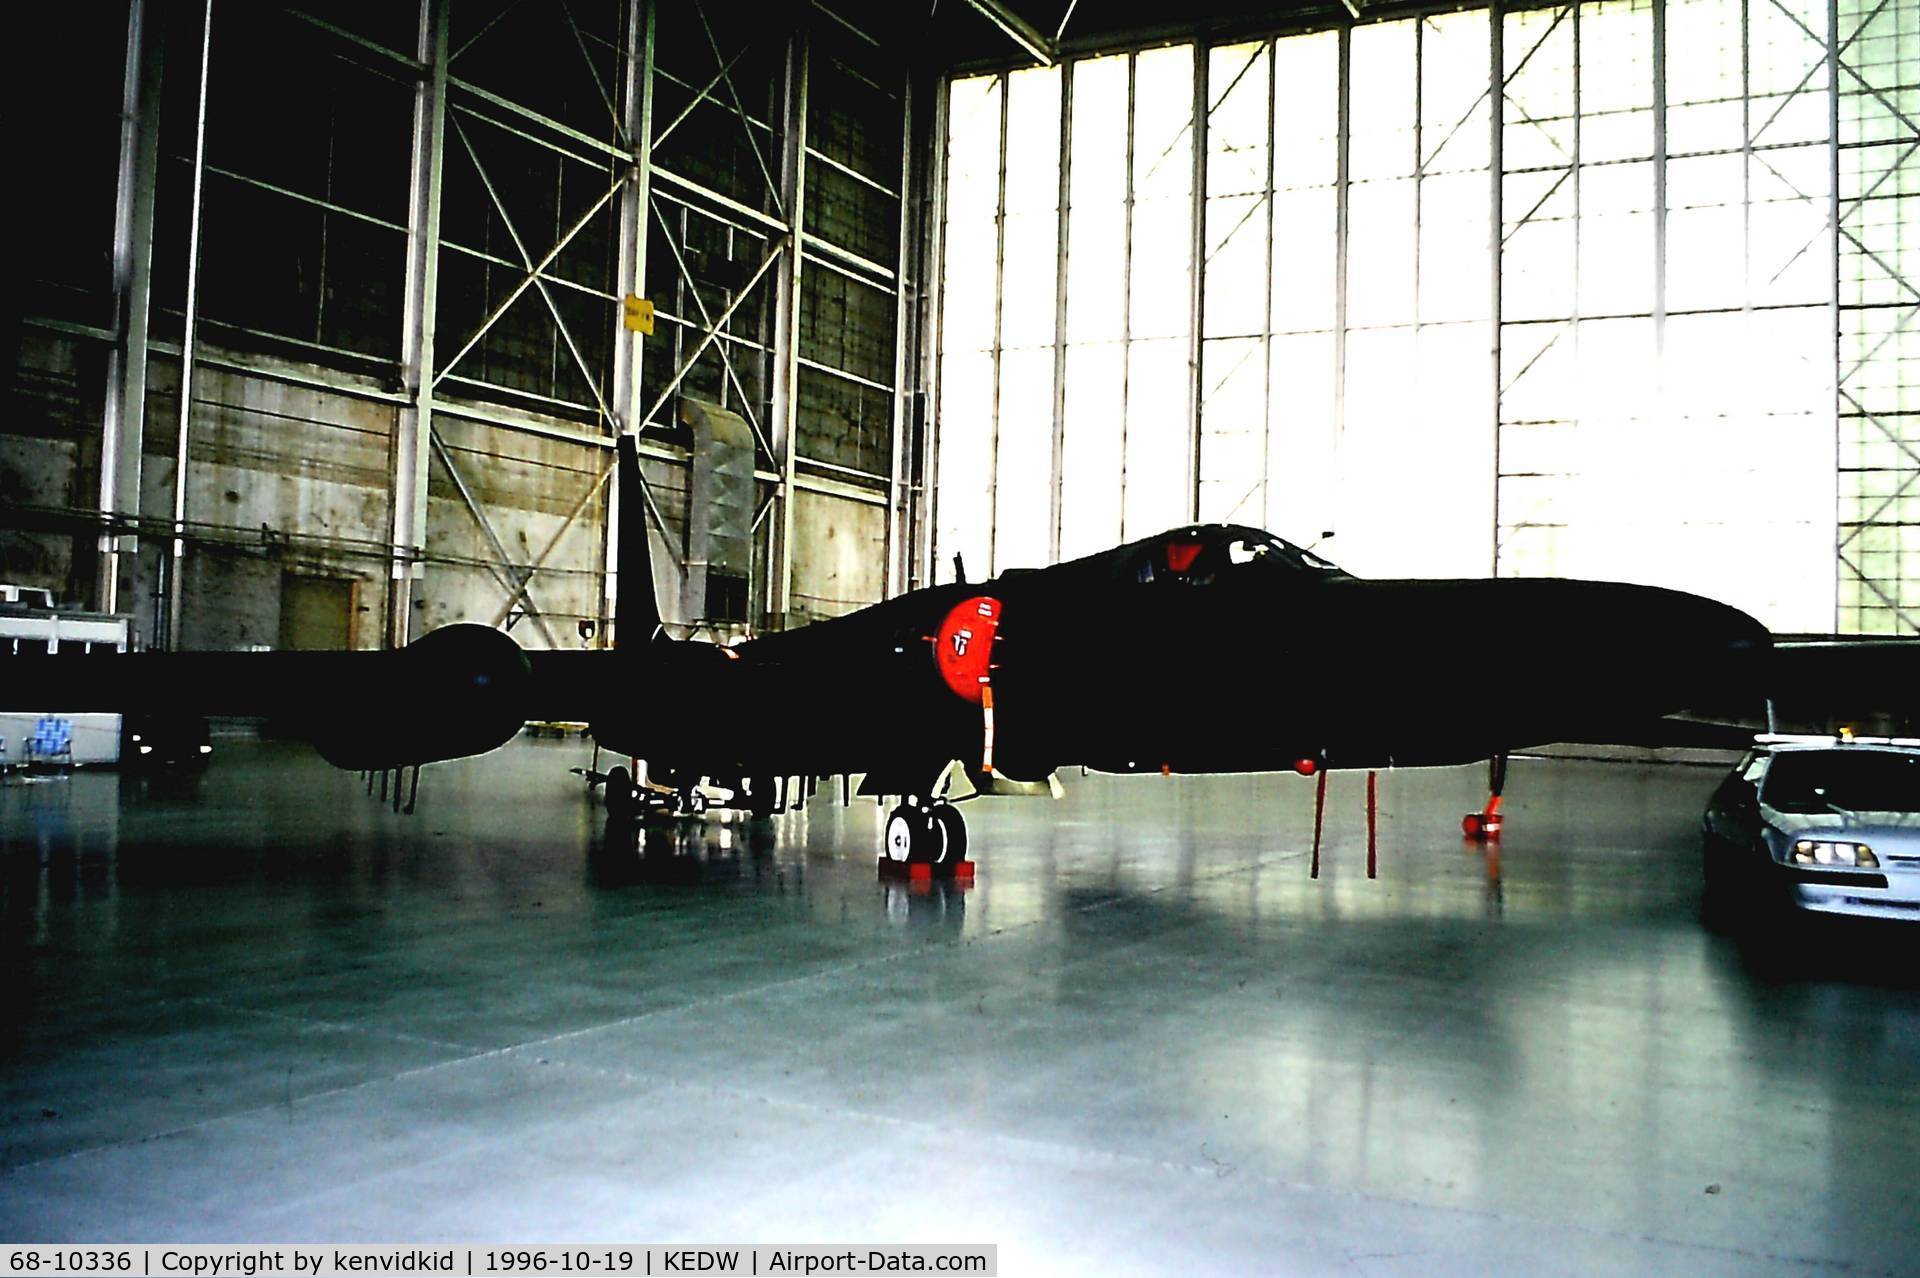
(628, 348)
(1660, 181)
(1064, 252)
(1343, 137)
(1496, 230)
(999, 352)
(932, 295)
(177, 559)
(897, 536)
(1197, 272)
(123, 423)
(786, 385)
(413, 425)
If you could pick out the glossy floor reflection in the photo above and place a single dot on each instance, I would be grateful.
(263, 1007)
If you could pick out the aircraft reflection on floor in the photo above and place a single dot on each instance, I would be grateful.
(937, 907)
(676, 850)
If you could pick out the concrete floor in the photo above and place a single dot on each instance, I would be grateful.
(1144, 1041)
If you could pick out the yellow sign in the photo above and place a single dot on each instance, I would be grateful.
(638, 314)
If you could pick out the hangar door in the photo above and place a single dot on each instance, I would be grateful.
(316, 613)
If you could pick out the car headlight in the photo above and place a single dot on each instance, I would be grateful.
(146, 749)
(1829, 852)
(206, 749)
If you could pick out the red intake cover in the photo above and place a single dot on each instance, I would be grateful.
(964, 646)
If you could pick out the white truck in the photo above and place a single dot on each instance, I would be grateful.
(29, 622)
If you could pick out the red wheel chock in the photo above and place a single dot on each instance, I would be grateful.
(924, 871)
(1484, 825)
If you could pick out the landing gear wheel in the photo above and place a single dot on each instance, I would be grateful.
(906, 835)
(953, 827)
(620, 795)
(917, 836)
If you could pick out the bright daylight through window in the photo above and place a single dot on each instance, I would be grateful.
(1667, 366)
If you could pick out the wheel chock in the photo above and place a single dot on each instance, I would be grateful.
(921, 871)
(1481, 826)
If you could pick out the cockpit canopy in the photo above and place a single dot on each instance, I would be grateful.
(1209, 554)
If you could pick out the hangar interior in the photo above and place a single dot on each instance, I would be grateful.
(330, 315)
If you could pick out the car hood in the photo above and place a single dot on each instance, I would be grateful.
(1813, 823)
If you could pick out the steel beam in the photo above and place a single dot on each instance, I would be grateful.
(177, 561)
(413, 423)
(712, 334)
(786, 382)
(1064, 245)
(628, 345)
(1496, 216)
(1272, 55)
(512, 575)
(753, 143)
(1659, 184)
(539, 281)
(896, 534)
(1018, 29)
(540, 561)
(1126, 294)
(1842, 564)
(779, 251)
(1197, 271)
(702, 95)
(609, 149)
(933, 269)
(999, 351)
(123, 422)
(1343, 137)
(533, 276)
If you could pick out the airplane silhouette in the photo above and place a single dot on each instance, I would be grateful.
(1208, 648)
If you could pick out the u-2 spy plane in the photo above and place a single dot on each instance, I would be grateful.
(1209, 648)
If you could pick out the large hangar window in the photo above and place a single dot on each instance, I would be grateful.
(304, 205)
(1262, 282)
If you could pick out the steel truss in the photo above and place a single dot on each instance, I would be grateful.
(450, 114)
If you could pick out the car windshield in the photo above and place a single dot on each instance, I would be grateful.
(1844, 781)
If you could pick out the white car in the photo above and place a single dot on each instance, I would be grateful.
(1823, 824)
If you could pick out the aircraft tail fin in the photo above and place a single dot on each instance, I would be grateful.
(636, 616)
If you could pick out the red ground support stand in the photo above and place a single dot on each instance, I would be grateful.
(922, 871)
(1319, 818)
(1485, 825)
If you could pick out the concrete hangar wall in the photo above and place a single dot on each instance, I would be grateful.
(393, 244)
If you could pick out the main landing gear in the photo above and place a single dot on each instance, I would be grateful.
(926, 833)
(627, 801)
(1484, 825)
